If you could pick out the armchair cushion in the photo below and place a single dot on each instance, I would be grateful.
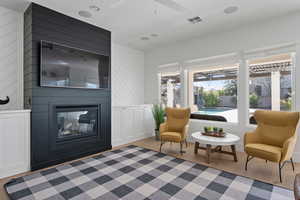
(264, 151)
(177, 118)
(171, 136)
(163, 128)
(275, 135)
(274, 138)
(275, 127)
(251, 137)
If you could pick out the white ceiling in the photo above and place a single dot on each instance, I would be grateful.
(129, 20)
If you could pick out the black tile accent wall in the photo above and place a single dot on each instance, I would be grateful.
(41, 23)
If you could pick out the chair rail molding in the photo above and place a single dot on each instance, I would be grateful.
(14, 142)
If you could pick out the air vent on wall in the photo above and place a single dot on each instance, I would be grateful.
(195, 20)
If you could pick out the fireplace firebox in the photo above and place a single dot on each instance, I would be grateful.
(76, 130)
(76, 122)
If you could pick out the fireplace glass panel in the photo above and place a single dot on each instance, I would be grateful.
(76, 123)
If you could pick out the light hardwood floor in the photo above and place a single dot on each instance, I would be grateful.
(257, 169)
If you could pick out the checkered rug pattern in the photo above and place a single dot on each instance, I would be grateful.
(134, 173)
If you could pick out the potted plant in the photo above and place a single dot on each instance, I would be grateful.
(215, 129)
(206, 129)
(210, 129)
(158, 113)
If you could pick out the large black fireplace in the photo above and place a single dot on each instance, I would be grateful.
(66, 123)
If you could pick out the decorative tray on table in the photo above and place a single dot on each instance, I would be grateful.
(213, 132)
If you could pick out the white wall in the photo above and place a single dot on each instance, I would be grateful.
(253, 36)
(11, 64)
(259, 35)
(127, 76)
(131, 120)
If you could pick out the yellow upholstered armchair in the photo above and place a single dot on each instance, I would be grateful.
(274, 138)
(176, 126)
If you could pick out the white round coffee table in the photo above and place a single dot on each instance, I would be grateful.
(229, 140)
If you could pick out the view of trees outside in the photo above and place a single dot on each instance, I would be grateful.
(215, 89)
(170, 90)
(270, 85)
(260, 91)
(215, 92)
(286, 92)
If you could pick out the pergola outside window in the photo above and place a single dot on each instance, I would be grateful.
(170, 87)
(270, 83)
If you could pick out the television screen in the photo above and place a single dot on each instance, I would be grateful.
(63, 66)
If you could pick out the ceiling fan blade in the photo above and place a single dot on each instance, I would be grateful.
(172, 5)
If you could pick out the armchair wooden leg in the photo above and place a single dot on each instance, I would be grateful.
(248, 159)
(280, 168)
(246, 165)
(279, 165)
(161, 143)
(293, 164)
(181, 148)
(181, 151)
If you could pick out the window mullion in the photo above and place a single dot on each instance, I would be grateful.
(297, 79)
(243, 91)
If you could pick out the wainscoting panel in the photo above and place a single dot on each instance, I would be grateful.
(131, 123)
(14, 142)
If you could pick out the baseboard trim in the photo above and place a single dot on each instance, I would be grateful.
(13, 170)
(116, 143)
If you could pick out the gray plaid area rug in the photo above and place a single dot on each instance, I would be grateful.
(136, 173)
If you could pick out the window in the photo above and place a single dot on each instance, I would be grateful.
(270, 83)
(214, 95)
(230, 87)
(170, 89)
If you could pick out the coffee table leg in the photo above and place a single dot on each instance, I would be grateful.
(196, 147)
(234, 152)
(208, 151)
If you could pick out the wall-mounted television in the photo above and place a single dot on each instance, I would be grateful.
(68, 67)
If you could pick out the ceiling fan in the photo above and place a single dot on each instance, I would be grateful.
(171, 4)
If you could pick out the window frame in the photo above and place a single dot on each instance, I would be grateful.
(264, 53)
(210, 69)
(173, 73)
(241, 58)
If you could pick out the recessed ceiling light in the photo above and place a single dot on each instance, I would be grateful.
(154, 35)
(94, 8)
(195, 20)
(145, 38)
(231, 9)
(84, 13)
